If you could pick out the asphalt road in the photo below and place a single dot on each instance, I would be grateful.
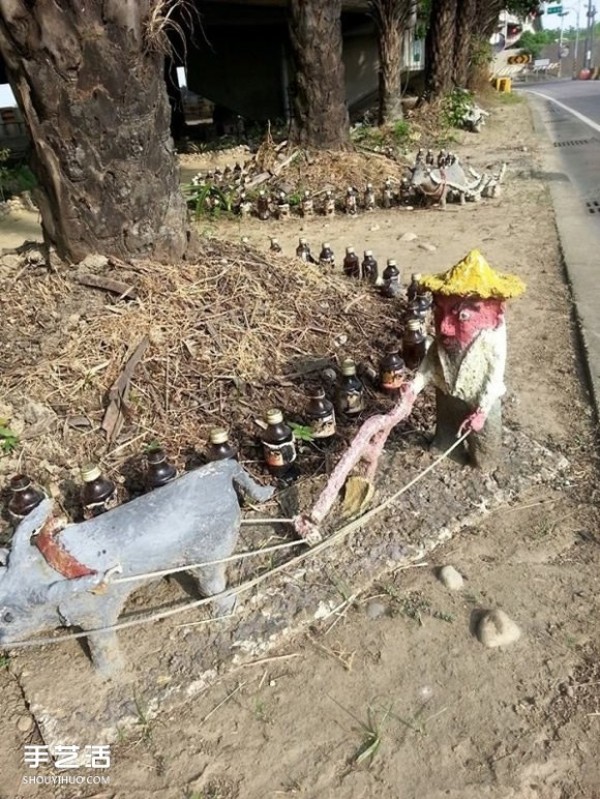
(567, 117)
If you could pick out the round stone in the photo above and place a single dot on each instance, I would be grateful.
(452, 579)
(497, 629)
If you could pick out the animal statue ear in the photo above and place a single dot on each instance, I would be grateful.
(21, 541)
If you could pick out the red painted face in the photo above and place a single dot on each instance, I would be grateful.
(458, 320)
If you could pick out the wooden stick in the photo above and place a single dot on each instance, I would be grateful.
(108, 284)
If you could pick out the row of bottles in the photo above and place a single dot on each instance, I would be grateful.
(444, 158)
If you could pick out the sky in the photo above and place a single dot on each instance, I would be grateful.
(552, 21)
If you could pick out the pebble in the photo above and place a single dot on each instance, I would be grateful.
(373, 228)
(375, 610)
(452, 579)
(24, 723)
(429, 247)
(408, 237)
(495, 628)
(94, 261)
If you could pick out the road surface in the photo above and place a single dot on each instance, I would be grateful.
(567, 115)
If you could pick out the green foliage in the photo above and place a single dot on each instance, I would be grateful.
(301, 432)
(14, 179)
(481, 52)
(396, 134)
(207, 199)
(533, 43)
(8, 438)
(454, 107)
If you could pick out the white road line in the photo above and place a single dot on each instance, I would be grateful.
(584, 119)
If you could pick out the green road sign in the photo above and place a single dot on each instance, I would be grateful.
(554, 10)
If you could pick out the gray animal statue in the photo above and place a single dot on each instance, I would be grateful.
(59, 574)
(449, 181)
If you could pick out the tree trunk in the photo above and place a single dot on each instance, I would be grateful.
(439, 48)
(89, 79)
(485, 23)
(465, 19)
(320, 117)
(390, 18)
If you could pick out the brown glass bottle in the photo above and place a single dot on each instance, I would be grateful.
(327, 258)
(329, 204)
(349, 397)
(350, 202)
(387, 194)
(303, 251)
(392, 371)
(412, 291)
(219, 447)
(159, 471)
(369, 269)
(25, 497)
(262, 206)
(369, 198)
(279, 447)
(391, 280)
(98, 494)
(283, 206)
(307, 206)
(320, 415)
(414, 344)
(351, 263)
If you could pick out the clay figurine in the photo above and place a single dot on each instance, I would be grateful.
(466, 365)
(59, 574)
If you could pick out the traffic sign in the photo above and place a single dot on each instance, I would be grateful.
(554, 10)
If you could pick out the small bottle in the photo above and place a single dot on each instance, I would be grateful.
(283, 206)
(414, 344)
(262, 206)
(303, 251)
(429, 158)
(25, 497)
(391, 279)
(349, 398)
(392, 371)
(307, 205)
(350, 202)
(275, 246)
(387, 194)
(320, 415)
(159, 471)
(327, 258)
(351, 264)
(237, 170)
(412, 291)
(218, 176)
(329, 206)
(278, 443)
(227, 174)
(99, 493)
(219, 447)
(369, 198)
(369, 269)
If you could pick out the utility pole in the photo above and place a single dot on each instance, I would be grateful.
(589, 36)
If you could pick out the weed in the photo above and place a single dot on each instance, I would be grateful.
(455, 106)
(8, 438)
(207, 199)
(301, 432)
(14, 179)
(510, 98)
(371, 730)
(260, 711)
(4, 662)
(143, 720)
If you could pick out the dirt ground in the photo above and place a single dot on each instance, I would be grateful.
(398, 699)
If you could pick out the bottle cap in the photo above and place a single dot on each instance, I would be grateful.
(261, 193)
(302, 241)
(326, 245)
(414, 324)
(316, 392)
(273, 240)
(368, 253)
(348, 367)
(90, 472)
(218, 435)
(156, 456)
(306, 193)
(274, 416)
(393, 348)
(416, 277)
(349, 250)
(20, 482)
(391, 262)
(369, 185)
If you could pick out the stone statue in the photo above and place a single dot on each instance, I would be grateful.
(466, 365)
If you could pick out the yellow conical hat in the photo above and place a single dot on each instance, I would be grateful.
(473, 276)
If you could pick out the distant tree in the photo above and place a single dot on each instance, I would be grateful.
(439, 48)
(320, 116)
(89, 79)
(391, 18)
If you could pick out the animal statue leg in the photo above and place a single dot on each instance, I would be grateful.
(485, 447)
(213, 580)
(106, 652)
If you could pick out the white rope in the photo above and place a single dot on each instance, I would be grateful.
(338, 535)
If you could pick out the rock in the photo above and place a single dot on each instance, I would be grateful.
(11, 260)
(408, 237)
(495, 628)
(429, 247)
(375, 610)
(94, 261)
(452, 579)
(373, 228)
(24, 723)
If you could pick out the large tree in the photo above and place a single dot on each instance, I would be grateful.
(89, 78)
(320, 116)
(439, 48)
(391, 18)
(463, 40)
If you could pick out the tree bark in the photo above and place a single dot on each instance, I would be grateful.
(320, 116)
(439, 48)
(89, 79)
(390, 18)
(465, 19)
